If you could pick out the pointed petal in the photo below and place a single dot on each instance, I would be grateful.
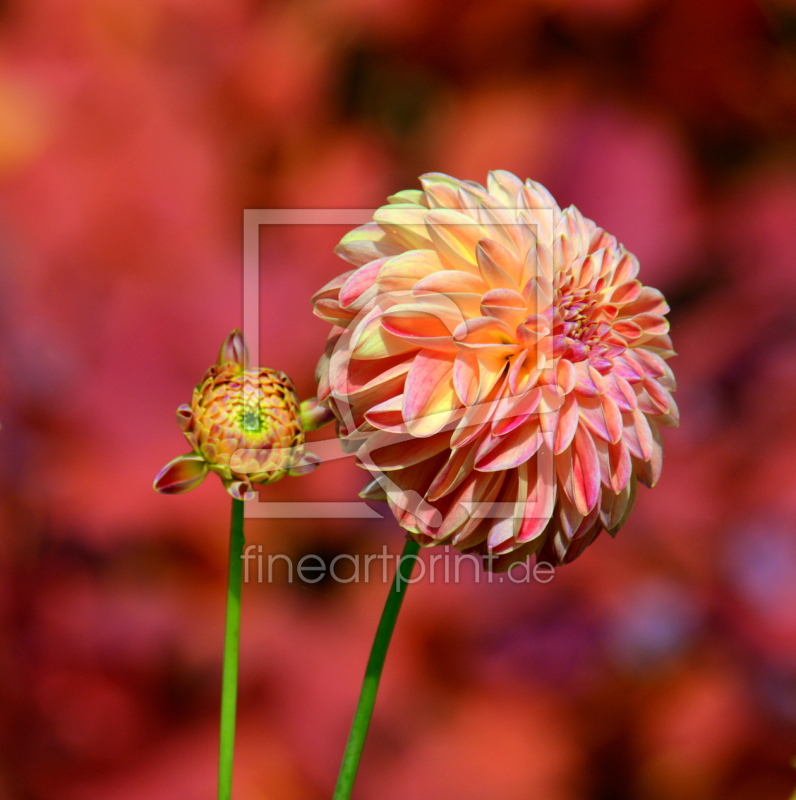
(388, 451)
(357, 286)
(374, 491)
(584, 382)
(541, 496)
(613, 418)
(366, 243)
(458, 466)
(331, 290)
(580, 476)
(400, 273)
(566, 375)
(430, 400)
(593, 416)
(372, 341)
(650, 471)
(505, 305)
(659, 396)
(497, 266)
(505, 185)
(466, 376)
(525, 369)
(506, 522)
(424, 326)
(405, 224)
(514, 410)
(463, 289)
(388, 415)
(234, 350)
(615, 465)
(456, 236)
(509, 451)
(470, 504)
(647, 301)
(406, 490)
(620, 391)
(567, 424)
(181, 474)
(643, 433)
(415, 196)
(472, 425)
(615, 508)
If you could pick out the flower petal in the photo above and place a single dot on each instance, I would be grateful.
(405, 224)
(541, 496)
(498, 267)
(467, 376)
(400, 273)
(511, 450)
(366, 243)
(578, 471)
(456, 236)
(430, 401)
(358, 284)
(388, 451)
(567, 424)
(181, 474)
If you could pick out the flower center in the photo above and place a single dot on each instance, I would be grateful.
(580, 326)
(251, 420)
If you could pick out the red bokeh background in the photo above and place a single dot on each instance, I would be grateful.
(132, 135)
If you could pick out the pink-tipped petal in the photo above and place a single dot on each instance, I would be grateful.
(234, 350)
(181, 475)
(509, 451)
(586, 471)
(567, 424)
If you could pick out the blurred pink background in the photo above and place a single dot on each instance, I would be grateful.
(132, 135)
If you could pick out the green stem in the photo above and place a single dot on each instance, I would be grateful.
(370, 686)
(229, 681)
(793, 764)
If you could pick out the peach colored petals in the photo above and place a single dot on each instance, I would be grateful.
(498, 368)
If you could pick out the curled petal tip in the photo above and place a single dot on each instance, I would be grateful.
(234, 350)
(184, 417)
(181, 475)
(313, 415)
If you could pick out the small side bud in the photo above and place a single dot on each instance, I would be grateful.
(313, 415)
(234, 350)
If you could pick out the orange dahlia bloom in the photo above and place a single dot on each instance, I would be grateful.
(246, 425)
(497, 367)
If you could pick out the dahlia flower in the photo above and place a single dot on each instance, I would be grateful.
(246, 425)
(497, 367)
